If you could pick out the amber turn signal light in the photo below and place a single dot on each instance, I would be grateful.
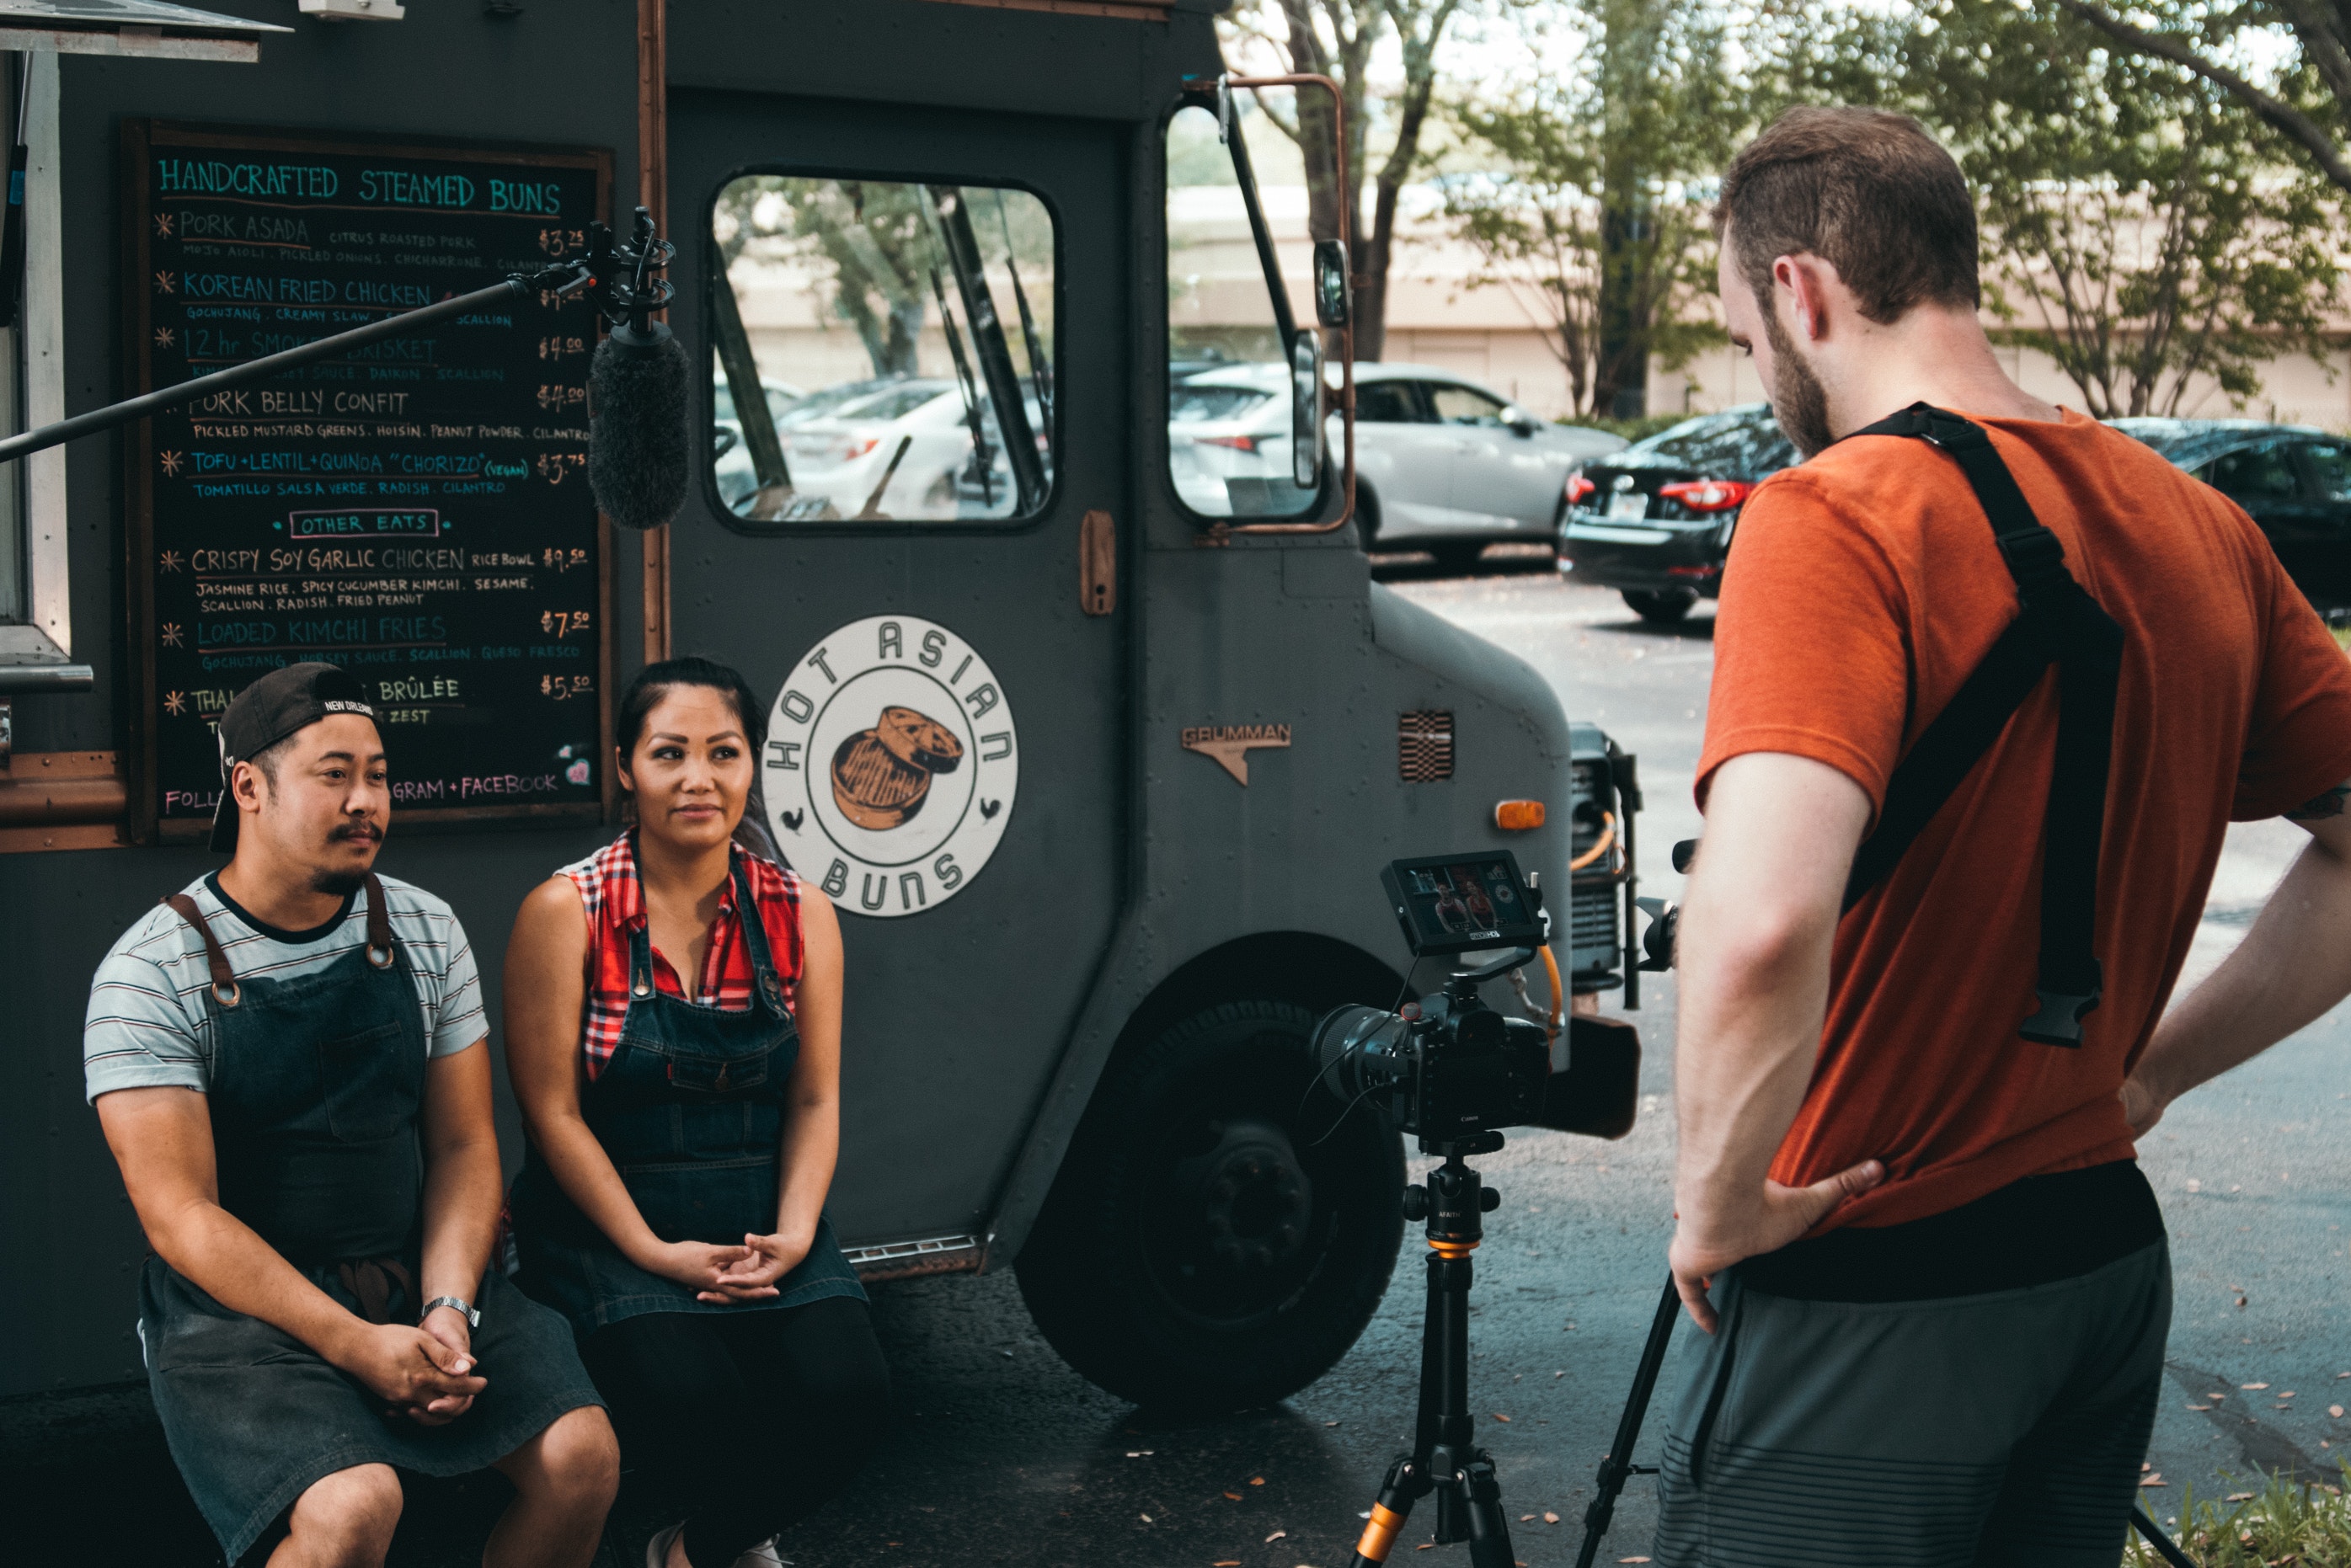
(1518, 815)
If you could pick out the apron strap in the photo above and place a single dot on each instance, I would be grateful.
(379, 921)
(224, 987)
(748, 915)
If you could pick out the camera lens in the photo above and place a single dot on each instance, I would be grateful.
(1359, 1048)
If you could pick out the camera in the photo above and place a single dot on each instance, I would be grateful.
(1452, 1070)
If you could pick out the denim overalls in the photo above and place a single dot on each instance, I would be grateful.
(691, 1111)
(315, 1087)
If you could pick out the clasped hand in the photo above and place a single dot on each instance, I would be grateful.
(424, 1372)
(725, 1275)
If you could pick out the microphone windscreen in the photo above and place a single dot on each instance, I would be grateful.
(639, 452)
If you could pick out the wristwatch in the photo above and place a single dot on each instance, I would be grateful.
(465, 1309)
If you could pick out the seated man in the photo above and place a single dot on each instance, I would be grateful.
(268, 1053)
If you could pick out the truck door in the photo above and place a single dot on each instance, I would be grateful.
(934, 299)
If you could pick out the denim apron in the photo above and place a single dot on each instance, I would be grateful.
(316, 1085)
(690, 1109)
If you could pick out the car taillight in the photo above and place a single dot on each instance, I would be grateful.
(1578, 487)
(852, 449)
(1707, 495)
(1236, 442)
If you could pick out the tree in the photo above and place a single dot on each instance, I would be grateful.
(866, 246)
(1592, 220)
(1337, 38)
(2143, 226)
(2311, 103)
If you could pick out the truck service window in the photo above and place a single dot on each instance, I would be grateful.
(883, 351)
(1228, 392)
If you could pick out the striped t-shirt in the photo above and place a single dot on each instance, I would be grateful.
(148, 1025)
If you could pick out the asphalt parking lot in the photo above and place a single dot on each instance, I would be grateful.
(1001, 1454)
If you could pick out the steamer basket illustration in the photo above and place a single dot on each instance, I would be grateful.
(881, 776)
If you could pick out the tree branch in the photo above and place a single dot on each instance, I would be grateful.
(2277, 112)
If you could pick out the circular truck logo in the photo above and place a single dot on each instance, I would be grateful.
(892, 765)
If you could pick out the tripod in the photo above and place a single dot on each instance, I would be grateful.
(1444, 1458)
(1617, 1468)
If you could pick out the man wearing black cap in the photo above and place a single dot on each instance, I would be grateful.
(268, 1053)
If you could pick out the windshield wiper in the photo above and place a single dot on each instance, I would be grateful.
(982, 458)
(954, 217)
(1041, 372)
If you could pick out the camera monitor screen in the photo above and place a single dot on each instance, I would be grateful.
(1451, 903)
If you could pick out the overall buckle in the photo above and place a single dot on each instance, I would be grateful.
(2059, 1020)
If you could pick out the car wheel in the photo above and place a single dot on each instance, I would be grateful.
(1212, 1242)
(1661, 608)
(1367, 517)
(1458, 557)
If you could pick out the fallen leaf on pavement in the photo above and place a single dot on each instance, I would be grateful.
(1234, 1495)
(1499, 1416)
(1275, 1536)
(1549, 1517)
(2191, 1406)
(1257, 1481)
(2241, 1497)
(2153, 1480)
(2252, 1384)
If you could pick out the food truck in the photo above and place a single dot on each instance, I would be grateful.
(1096, 734)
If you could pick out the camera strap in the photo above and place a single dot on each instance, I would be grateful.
(2058, 623)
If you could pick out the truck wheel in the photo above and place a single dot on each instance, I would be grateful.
(1207, 1246)
(1660, 608)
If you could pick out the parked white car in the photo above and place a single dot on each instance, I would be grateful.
(1441, 463)
(840, 442)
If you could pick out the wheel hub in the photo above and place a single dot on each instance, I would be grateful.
(1252, 1199)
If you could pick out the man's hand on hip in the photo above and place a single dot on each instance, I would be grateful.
(1706, 1244)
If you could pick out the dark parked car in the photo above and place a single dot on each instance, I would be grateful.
(1654, 521)
(2295, 481)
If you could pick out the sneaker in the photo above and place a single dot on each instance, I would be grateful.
(657, 1549)
(763, 1555)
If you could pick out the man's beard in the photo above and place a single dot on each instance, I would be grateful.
(1799, 401)
(337, 883)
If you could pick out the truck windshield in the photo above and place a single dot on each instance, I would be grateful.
(884, 325)
(1228, 422)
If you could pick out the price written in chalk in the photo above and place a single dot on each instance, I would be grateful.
(563, 688)
(554, 466)
(564, 560)
(562, 242)
(563, 623)
(561, 347)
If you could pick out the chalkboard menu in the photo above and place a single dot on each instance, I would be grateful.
(415, 511)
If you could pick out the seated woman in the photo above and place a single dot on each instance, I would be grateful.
(673, 1016)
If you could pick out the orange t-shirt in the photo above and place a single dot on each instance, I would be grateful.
(1862, 588)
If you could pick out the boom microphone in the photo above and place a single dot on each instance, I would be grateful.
(638, 447)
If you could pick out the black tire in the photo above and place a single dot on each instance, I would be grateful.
(1458, 557)
(1200, 1249)
(1661, 608)
(1367, 517)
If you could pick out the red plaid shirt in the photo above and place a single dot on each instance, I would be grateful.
(615, 897)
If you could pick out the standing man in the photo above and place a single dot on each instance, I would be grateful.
(270, 1051)
(1934, 1283)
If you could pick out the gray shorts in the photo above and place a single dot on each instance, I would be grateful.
(2002, 1430)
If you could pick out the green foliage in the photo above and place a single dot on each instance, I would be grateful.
(1595, 216)
(2306, 1524)
(2141, 227)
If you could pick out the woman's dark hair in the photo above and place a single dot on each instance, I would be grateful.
(645, 694)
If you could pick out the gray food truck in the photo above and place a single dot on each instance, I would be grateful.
(1097, 733)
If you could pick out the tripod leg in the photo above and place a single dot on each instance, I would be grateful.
(2165, 1547)
(1406, 1483)
(1618, 1468)
(1489, 1533)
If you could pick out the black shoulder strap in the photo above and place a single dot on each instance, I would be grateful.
(2058, 623)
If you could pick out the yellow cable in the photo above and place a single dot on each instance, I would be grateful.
(1558, 991)
(1607, 837)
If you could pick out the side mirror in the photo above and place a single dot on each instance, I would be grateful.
(1334, 290)
(1306, 408)
(1521, 422)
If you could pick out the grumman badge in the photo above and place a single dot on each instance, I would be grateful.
(892, 767)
